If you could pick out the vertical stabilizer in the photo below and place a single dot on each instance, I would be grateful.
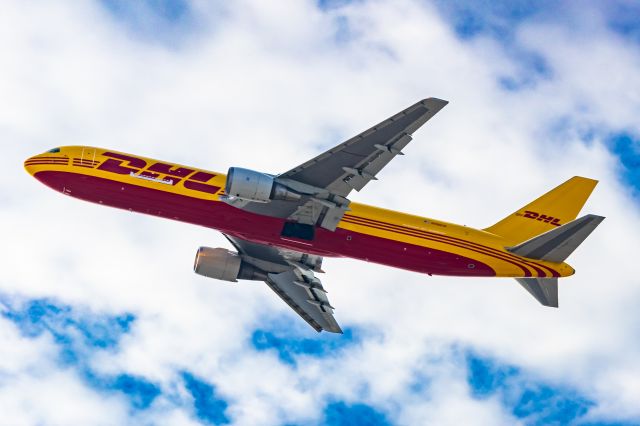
(555, 208)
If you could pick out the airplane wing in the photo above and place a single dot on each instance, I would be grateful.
(290, 276)
(352, 164)
(326, 180)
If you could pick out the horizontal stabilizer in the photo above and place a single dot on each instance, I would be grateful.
(545, 290)
(556, 245)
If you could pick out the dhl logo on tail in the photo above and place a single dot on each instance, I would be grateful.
(542, 217)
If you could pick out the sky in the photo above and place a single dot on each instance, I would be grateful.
(102, 320)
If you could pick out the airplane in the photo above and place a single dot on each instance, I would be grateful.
(282, 226)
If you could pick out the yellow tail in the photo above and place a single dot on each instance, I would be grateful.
(555, 208)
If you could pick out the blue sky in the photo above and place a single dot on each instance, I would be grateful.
(501, 21)
(534, 401)
(539, 91)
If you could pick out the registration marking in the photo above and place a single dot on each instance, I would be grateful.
(152, 179)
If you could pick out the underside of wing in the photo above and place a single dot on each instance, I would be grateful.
(290, 275)
(307, 297)
(355, 162)
(314, 193)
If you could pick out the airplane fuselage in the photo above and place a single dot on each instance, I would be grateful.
(191, 195)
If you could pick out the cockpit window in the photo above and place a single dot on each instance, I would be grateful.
(54, 150)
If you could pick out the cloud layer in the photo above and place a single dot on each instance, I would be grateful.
(102, 320)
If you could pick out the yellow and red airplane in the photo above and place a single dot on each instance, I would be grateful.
(283, 225)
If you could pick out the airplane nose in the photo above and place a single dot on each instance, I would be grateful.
(30, 163)
(44, 161)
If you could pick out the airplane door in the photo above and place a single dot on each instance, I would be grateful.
(88, 157)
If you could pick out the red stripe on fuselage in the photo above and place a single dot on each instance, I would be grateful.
(479, 248)
(38, 162)
(414, 233)
(490, 251)
(261, 229)
(48, 157)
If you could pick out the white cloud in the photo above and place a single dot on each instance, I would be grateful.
(254, 80)
(33, 390)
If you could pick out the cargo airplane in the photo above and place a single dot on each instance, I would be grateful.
(282, 226)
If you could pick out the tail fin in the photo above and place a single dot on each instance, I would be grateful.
(555, 208)
(546, 230)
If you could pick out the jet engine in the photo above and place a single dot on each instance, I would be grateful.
(255, 186)
(223, 264)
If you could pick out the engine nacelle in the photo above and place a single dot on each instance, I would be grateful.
(255, 186)
(223, 264)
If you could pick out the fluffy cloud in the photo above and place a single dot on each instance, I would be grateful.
(216, 86)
